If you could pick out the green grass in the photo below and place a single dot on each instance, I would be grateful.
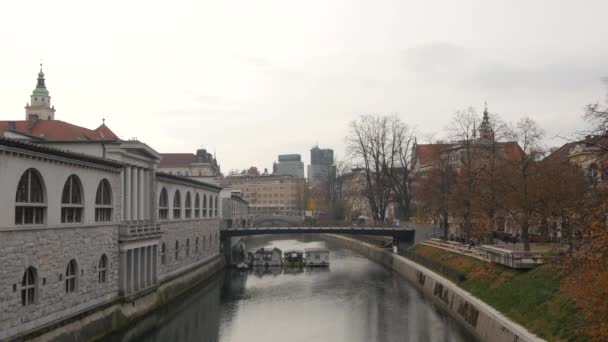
(530, 298)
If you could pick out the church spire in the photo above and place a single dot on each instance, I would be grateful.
(41, 84)
(486, 117)
(485, 129)
(40, 107)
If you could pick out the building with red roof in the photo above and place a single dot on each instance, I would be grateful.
(40, 123)
(202, 165)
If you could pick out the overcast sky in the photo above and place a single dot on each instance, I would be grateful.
(253, 79)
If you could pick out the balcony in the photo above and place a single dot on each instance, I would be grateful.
(138, 230)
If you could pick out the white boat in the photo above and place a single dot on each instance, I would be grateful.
(242, 266)
(267, 257)
(316, 257)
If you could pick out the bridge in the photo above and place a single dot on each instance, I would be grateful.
(277, 220)
(402, 237)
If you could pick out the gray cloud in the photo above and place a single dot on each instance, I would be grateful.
(454, 64)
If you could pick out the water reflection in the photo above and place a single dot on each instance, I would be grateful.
(355, 300)
(194, 317)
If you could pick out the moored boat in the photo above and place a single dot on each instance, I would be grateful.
(316, 257)
(294, 258)
(267, 257)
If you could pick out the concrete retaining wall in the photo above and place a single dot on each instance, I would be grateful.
(478, 317)
(119, 315)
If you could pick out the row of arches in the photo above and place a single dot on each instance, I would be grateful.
(30, 282)
(31, 199)
(178, 248)
(208, 207)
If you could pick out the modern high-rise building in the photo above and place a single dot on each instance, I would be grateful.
(321, 164)
(290, 165)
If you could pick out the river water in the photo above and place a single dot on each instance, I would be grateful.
(354, 300)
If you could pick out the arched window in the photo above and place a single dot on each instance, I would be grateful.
(177, 205)
(103, 268)
(103, 202)
(188, 211)
(71, 201)
(187, 247)
(30, 207)
(197, 206)
(163, 205)
(163, 254)
(196, 245)
(205, 205)
(28, 287)
(176, 250)
(70, 276)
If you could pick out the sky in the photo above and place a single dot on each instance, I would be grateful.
(254, 79)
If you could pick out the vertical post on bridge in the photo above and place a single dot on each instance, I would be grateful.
(403, 240)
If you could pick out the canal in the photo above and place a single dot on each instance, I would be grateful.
(355, 300)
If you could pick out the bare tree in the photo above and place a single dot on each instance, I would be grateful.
(328, 191)
(597, 116)
(397, 164)
(367, 144)
(466, 157)
(432, 192)
(528, 135)
(492, 173)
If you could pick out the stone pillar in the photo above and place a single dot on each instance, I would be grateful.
(127, 194)
(144, 269)
(136, 258)
(149, 266)
(130, 258)
(154, 264)
(123, 271)
(140, 210)
(122, 193)
(134, 194)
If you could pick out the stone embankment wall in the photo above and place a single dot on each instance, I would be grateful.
(478, 317)
(112, 318)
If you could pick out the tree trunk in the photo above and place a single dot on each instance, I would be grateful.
(525, 238)
(492, 225)
(445, 226)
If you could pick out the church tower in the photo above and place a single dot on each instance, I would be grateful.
(40, 108)
(485, 129)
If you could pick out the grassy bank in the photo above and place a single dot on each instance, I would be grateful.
(531, 298)
(378, 241)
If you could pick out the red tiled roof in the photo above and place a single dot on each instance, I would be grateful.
(57, 130)
(176, 159)
(512, 150)
(562, 153)
(427, 153)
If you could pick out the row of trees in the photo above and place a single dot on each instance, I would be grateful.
(478, 180)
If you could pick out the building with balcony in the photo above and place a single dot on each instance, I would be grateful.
(89, 223)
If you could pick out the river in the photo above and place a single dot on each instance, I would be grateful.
(354, 300)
